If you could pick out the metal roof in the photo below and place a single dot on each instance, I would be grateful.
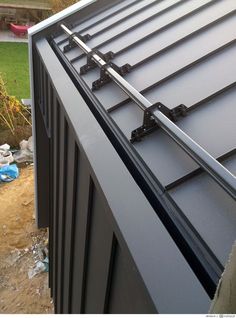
(179, 52)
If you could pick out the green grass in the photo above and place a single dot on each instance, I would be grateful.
(14, 68)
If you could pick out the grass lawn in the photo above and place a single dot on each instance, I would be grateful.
(14, 68)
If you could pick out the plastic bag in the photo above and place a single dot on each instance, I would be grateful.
(4, 147)
(5, 155)
(5, 158)
(9, 173)
(39, 268)
(25, 154)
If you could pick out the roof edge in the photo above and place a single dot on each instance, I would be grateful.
(58, 16)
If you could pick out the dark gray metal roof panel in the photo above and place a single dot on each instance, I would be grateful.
(120, 21)
(183, 23)
(196, 46)
(181, 52)
(201, 78)
(128, 33)
(210, 209)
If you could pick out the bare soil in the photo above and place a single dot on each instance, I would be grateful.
(18, 237)
(14, 140)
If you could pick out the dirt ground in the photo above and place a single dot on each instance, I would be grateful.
(19, 242)
(13, 140)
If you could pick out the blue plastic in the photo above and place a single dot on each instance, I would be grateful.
(9, 173)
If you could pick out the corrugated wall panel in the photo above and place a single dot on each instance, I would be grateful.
(98, 256)
(126, 296)
(79, 239)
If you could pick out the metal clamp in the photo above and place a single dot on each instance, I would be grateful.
(149, 124)
(72, 44)
(105, 78)
(90, 62)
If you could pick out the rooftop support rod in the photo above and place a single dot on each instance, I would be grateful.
(218, 172)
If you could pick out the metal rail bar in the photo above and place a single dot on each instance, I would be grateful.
(218, 172)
